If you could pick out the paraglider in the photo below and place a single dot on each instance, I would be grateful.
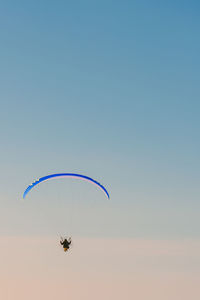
(66, 243)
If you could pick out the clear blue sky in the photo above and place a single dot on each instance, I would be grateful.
(109, 89)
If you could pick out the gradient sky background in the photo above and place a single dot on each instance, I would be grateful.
(109, 89)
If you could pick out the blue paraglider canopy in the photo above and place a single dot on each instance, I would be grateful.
(72, 175)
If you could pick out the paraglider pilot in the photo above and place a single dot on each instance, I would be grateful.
(65, 243)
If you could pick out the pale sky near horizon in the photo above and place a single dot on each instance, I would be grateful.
(99, 269)
(109, 89)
